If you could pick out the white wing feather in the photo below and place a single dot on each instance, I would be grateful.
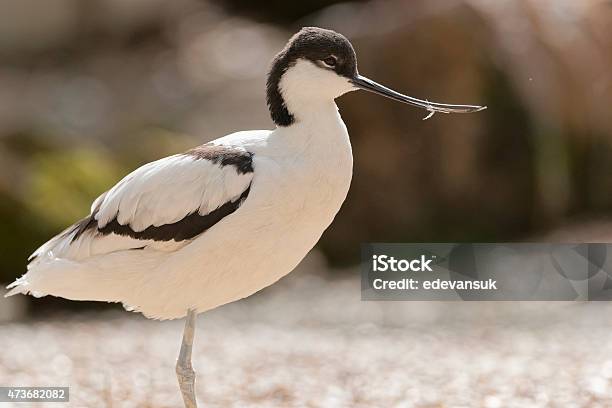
(158, 193)
(165, 191)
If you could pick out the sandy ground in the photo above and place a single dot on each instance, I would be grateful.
(309, 342)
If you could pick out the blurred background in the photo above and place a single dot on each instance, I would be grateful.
(91, 89)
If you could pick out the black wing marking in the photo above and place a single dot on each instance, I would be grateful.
(189, 227)
(242, 160)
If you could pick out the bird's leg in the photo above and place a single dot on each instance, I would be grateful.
(184, 370)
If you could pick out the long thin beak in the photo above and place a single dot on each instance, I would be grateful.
(369, 85)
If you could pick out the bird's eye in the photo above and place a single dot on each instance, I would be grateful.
(330, 61)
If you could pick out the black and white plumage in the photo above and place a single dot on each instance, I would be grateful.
(135, 213)
(195, 223)
(160, 207)
(196, 230)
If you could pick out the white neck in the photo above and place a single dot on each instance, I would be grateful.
(319, 135)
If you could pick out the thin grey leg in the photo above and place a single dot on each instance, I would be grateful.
(184, 370)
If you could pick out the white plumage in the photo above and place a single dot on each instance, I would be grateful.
(196, 230)
(215, 224)
(158, 193)
(141, 199)
(297, 186)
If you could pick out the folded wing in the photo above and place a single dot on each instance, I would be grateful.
(161, 205)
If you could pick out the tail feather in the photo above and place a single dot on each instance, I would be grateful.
(12, 285)
(19, 286)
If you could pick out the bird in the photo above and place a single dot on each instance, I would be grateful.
(214, 224)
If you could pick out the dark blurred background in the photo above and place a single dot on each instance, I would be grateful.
(89, 90)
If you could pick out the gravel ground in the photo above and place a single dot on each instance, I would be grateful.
(309, 342)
